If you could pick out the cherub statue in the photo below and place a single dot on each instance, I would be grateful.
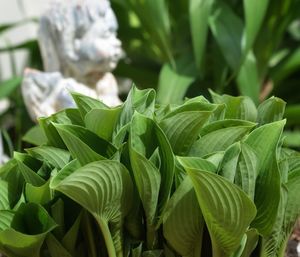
(79, 48)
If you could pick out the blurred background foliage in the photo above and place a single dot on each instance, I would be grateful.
(184, 47)
(14, 119)
(238, 47)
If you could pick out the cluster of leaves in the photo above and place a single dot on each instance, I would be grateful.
(196, 179)
(249, 46)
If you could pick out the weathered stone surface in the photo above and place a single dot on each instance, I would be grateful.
(46, 93)
(79, 46)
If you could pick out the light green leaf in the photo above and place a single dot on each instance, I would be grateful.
(146, 175)
(247, 170)
(35, 136)
(29, 227)
(86, 103)
(264, 141)
(183, 128)
(29, 175)
(197, 163)
(218, 136)
(4, 196)
(84, 144)
(12, 175)
(226, 209)
(6, 218)
(142, 101)
(252, 241)
(104, 188)
(55, 156)
(230, 162)
(184, 214)
(237, 107)
(271, 110)
(39, 195)
(67, 116)
(55, 248)
(248, 80)
(271, 244)
(103, 121)
(175, 80)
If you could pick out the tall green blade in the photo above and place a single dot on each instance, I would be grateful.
(226, 209)
(255, 11)
(183, 221)
(199, 11)
(264, 141)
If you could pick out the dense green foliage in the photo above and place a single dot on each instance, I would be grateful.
(248, 47)
(196, 179)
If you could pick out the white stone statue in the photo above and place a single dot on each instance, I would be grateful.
(3, 157)
(79, 48)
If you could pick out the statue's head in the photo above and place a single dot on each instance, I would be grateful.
(79, 38)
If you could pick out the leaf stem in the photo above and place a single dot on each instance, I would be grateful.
(107, 237)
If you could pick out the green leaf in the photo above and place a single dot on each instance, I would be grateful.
(199, 11)
(142, 101)
(227, 29)
(103, 121)
(184, 214)
(39, 195)
(155, 18)
(35, 136)
(272, 243)
(237, 107)
(248, 80)
(271, 110)
(226, 209)
(29, 175)
(104, 188)
(8, 87)
(64, 172)
(84, 144)
(183, 128)
(230, 162)
(247, 170)
(67, 116)
(55, 156)
(6, 218)
(286, 67)
(29, 227)
(255, 11)
(85, 103)
(197, 163)
(252, 241)
(264, 141)
(218, 136)
(70, 239)
(12, 175)
(55, 248)
(4, 198)
(147, 176)
(173, 83)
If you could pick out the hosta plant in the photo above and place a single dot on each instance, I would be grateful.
(193, 180)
